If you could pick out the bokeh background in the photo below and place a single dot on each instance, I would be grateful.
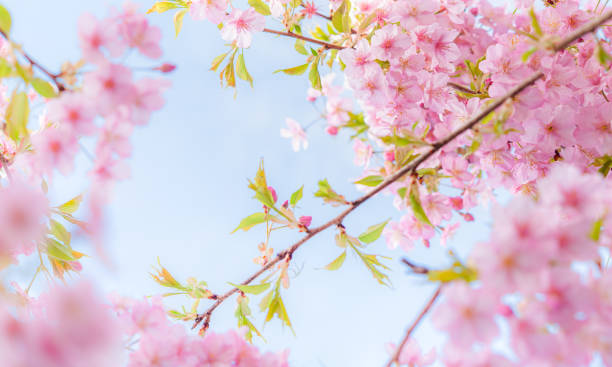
(188, 191)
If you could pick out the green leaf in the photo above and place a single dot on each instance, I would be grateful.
(534, 23)
(218, 60)
(373, 265)
(242, 71)
(44, 88)
(596, 230)
(260, 186)
(371, 181)
(252, 289)
(260, 7)
(5, 68)
(329, 195)
(17, 114)
(5, 20)
(71, 205)
(604, 163)
(456, 272)
(297, 70)
(415, 205)
(314, 76)
(602, 56)
(60, 232)
(337, 17)
(337, 263)
(251, 221)
(58, 250)
(528, 53)
(178, 21)
(400, 141)
(299, 47)
(162, 6)
(373, 232)
(296, 196)
(242, 312)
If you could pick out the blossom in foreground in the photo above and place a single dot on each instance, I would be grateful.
(296, 134)
(240, 26)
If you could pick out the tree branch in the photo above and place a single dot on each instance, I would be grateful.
(415, 323)
(412, 167)
(33, 63)
(303, 38)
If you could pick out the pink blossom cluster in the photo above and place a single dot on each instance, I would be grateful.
(73, 326)
(105, 104)
(543, 274)
(165, 343)
(403, 78)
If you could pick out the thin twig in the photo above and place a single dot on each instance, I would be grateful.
(303, 38)
(54, 77)
(415, 323)
(416, 269)
(412, 167)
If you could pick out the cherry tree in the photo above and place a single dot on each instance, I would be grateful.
(446, 102)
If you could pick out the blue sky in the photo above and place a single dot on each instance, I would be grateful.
(188, 190)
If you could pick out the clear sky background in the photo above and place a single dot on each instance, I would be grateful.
(188, 190)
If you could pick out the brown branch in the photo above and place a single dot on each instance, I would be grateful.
(303, 38)
(416, 269)
(463, 89)
(33, 63)
(415, 323)
(287, 254)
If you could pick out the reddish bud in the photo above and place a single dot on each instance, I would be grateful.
(390, 155)
(505, 310)
(273, 192)
(474, 11)
(305, 221)
(457, 203)
(332, 130)
(165, 68)
(286, 204)
(468, 217)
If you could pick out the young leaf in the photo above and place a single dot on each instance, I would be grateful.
(534, 23)
(218, 60)
(415, 205)
(596, 230)
(178, 21)
(5, 20)
(260, 7)
(297, 70)
(242, 312)
(314, 76)
(17, 114)
(373, 232)
(337, 263)
(252, 289)
(242, 71)
(296, 196)
(371, 181)
(162, 6)
(456, 272)
(58, 250)
(337, 18)
(373, 265)
(250, 221)
(71, 205)
(44, 88)
(299, 47)
(60, 232)
(329, 195)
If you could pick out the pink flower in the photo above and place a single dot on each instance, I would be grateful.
(147, 99)
(110, 86)
(213, 10)
(296, 134)
(467, 315)
(73, 110)
(93, 35)
(363, 153)
(438, 43)
(138, 33)
(55, 149)
(21, 219)
(412, 356)
(389, 43)
(240, 26)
